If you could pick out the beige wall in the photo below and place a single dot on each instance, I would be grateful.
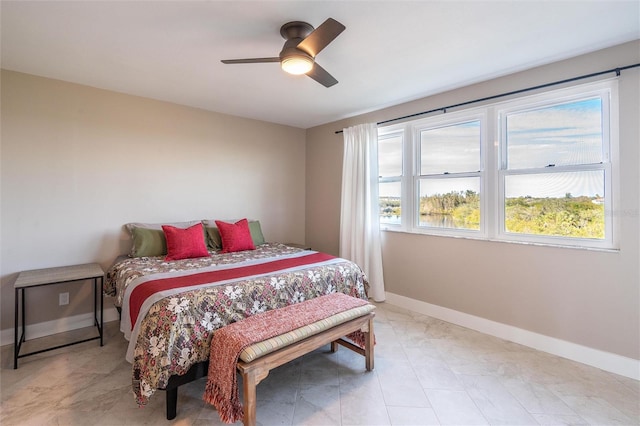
(78, 163)
(586, 297)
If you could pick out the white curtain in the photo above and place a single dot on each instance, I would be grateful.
(359, 222)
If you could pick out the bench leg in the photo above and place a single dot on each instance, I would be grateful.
(369, 343)
(249, 383)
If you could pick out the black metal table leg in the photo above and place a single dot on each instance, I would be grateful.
(16, 345)
(101, 310)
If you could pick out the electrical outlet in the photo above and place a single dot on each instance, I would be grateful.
(63, 299)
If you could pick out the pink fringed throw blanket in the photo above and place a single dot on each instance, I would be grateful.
(227, 343)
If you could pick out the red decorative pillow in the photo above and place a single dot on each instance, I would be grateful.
(235, 236)
(185, 243)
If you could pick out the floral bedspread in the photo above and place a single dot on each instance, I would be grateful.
(176, 331)
(126, 269)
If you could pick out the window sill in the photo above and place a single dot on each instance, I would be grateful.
(496, 240)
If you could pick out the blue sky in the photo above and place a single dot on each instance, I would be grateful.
(560, 135)
(566, 134)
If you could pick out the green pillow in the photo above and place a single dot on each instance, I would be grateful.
(148, 242)
(214, 242)
(256, 232)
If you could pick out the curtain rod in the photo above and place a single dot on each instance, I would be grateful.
(514, 92)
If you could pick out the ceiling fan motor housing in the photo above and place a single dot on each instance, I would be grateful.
(296, 29)
(290, 49)
(294, 32)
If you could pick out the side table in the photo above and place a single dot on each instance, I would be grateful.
(49, 276)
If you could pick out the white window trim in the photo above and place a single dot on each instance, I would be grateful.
(605, 90)
(448, 119)
(492, 173)
(389, 132)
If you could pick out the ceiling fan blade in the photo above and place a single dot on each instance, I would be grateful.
(321, 37)
(250, 60)
(320, 75)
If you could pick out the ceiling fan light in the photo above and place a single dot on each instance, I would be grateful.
(297, 64)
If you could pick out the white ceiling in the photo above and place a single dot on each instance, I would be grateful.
(391, 51)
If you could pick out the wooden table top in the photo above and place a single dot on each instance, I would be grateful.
(58, 275)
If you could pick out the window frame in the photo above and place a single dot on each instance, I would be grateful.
(493, 166)
(606, 91)
(391, 133)
(446, 120)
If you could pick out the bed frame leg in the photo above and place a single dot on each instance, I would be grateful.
(172, 403)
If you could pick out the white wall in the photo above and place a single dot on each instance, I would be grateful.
(588, 298)
(78, 163)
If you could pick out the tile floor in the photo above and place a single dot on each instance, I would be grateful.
(427, 372)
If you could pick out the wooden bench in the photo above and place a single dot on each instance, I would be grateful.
(255, 369)
(257, 360)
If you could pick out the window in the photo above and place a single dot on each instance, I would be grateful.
(449, 175)
(391, 171)
(537, 169)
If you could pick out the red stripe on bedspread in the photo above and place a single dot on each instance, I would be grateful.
(144, 290)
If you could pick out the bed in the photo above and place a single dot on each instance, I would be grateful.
(171, 308)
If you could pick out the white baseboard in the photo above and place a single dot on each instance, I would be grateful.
(48, 328)
(607, 361)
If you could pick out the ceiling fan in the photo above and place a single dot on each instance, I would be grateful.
(299, 52)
